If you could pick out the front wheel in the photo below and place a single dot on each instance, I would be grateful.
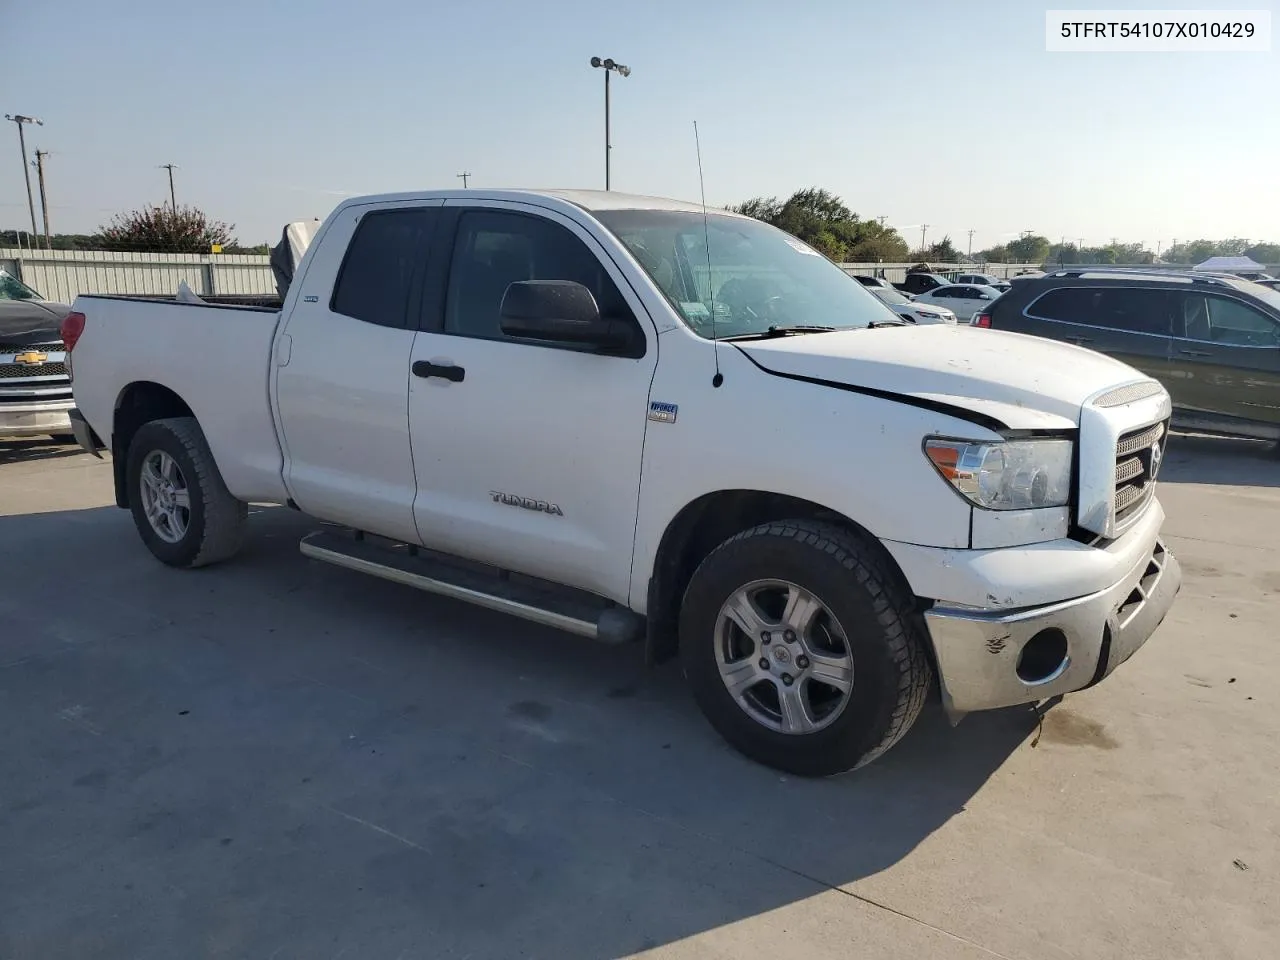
(802, 649)
(180, 504)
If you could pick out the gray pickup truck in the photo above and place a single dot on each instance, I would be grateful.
(35, 388)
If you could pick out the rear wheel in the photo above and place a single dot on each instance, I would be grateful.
(180, 504)
(802, 648)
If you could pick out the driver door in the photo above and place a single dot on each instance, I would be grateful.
(527, 454)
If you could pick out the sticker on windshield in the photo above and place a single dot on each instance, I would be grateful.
(802, 247)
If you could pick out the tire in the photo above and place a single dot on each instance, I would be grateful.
(865, 608)
(214, 520)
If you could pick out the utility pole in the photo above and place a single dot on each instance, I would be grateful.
(924, 229)
(609, 66)
(38, 163)
(970, 254)
(881, 220)
(464, 177)
(21, 122)
(173, 203)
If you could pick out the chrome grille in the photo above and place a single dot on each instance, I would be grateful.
(1128, 394)
(1138, 455)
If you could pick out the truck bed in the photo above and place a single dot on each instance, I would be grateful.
(215, 357)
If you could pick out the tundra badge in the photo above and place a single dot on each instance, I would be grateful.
(511, 500)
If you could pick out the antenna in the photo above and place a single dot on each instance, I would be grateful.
(706, 238)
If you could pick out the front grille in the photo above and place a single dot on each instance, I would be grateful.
(22, 371)
(1138, 456)
(1129, 393)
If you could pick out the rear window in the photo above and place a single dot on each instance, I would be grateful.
(1131, 309)
(378, 271)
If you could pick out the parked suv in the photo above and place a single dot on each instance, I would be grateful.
(1214, 342)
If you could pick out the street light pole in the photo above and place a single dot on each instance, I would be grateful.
(173, 203)
(609, 66)
(21, 121)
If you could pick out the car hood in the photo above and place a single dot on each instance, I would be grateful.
(1020, 381)
(31, 321)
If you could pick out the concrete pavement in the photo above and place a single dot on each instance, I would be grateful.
(274, 758)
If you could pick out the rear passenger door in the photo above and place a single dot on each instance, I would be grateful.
(1132, 324)
(964, 301)
(1227, 354)
(342, 368)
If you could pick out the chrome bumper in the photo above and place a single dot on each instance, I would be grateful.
(978, 651)
(38, 418)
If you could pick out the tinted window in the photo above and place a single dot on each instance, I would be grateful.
(495, 249)
(957, 292)
(1133, 309)
(377, 273)
(1221, 320)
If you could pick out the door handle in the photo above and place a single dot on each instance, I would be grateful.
(445, 371)
(1195, 353)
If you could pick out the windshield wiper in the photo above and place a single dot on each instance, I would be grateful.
(780, 331)
(887, 323)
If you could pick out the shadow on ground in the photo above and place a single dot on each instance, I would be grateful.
(277, 758)
(25, 451)
(1195, 458)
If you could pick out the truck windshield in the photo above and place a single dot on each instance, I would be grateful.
(11, 288)
(753, 276)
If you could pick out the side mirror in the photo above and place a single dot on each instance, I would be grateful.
(561, 311)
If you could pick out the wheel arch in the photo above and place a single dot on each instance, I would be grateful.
(702, 525)
(137, 404)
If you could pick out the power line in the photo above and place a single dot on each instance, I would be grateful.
(38, 163)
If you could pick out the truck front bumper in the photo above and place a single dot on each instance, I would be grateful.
(998, 654)
(38, 418)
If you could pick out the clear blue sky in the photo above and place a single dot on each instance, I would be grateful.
(940, 112)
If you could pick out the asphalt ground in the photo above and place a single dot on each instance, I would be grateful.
(275, 758)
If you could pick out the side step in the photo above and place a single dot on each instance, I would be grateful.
(541, 602)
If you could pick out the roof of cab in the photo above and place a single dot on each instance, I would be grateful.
(591, 200)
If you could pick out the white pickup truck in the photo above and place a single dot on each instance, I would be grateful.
(635, 420)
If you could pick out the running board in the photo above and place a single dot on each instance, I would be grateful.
(525, 597)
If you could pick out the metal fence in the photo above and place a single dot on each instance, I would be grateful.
(897, 272)
(63, 275)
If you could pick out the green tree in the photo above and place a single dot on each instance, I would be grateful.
(1029, 248)
(942, 251)
(1264, 252)
(185, 230)
(996, 254)
(1200, 250)
(822, 220)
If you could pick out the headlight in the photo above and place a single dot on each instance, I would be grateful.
(1007, 475)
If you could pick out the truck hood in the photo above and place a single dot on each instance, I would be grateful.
(1020, 381)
